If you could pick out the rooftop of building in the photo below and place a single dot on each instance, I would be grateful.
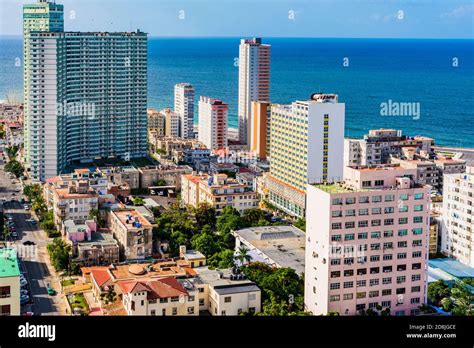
(9, 263)
(193, 255)
(63, 193)
(99, 239)
(225, 279)
(155, 288)
(71, 226)
(451, 267)
(130, 271)
(285, 245)
(131, 219)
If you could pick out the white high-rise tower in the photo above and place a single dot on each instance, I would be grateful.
(184, 107)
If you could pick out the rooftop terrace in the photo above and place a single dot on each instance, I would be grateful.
(8, 263)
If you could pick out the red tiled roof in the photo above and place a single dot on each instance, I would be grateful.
(53, 179)
(101, 276)
(155, 288)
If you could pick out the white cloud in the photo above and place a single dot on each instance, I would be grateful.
(458, 12)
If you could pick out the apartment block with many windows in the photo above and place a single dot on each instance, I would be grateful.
(367, 242)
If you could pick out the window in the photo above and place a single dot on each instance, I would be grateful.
(376, 199)
(367, 183)
(403, 221)
(402, 233)
(374, 282)
(387, 257)
(389, 198)
(361, 295)
(417, 243)
(375, 246)
(335, 274)
(349, 236)
(348, 296)
(401, 279)
(415, 289)
(374, 293)
(415, 277)
(401, 256)
(416, 266)
(379, 182)
(376, 211)
(417, 219)
(201, 302)
(335, 286)
(363, 223)
(362, 235)
(350, 200)
(174, 311)
(416, 254)
(402, 244)
(364, 211)
(336, 238)
(387, 269)
(388, 234)
(337, 226)
(404, 197)
(350, 224)
(388, 222)
(401, 268)
(227, 299)
(363, 199)
(334, 298)
(418, 195)
(175, 299)
(387, 280)
(374, 270)
(163, 300)
(5, 291)
(190, 298)
(417, 231)
(153, 312)
(350, 212)
(361, 283)
(348, 273)
(190, 310)
(389, 210)
(386, 292)
(337, 201)
(400, 291)
(336, 213)
(375, 235)
(403, 208)
(348, 285)
(5, 310)
(374, 258)
(415, 300)
(386, 304)
(376, 222)
(362, 271)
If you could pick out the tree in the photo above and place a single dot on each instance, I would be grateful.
(251, 217)
(223, 259)
(95, 214)
(138, 201)
(243, 256)
(437, 291)
(205, 243)
(205, 214)
(59, 253)
(15, 168)
(447, 304)
(160, 182)
(301, 224)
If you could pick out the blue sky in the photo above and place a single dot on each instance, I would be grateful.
(266, 18)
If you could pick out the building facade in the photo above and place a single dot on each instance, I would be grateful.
(9, 282)
(77, 110)
(260, 129)
(184, 107)
(254, 81)
(457, 237)
(133, 232)
(306, 146)
(367, 243)
(213, 115)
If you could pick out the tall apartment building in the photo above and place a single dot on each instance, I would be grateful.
(367, 242)
(212, 128)
(172, 123)
(457, 237)
(80, 110)
(9, 283)
(260, 129)
(254, 81)
(40, 16)
(85, 96)
(307, 139)
(184, 107)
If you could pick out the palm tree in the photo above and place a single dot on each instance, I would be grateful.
(243, 255)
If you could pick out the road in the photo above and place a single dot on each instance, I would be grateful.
(35, 258)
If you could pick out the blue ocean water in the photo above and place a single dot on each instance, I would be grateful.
(379, 70)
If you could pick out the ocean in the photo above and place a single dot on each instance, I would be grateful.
(435, 75)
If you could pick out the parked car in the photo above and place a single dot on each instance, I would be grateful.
(26, 207)
(24, 292)
(24, 299)
(23, 282)
(29, 242)
(51, 291)
(27, 314)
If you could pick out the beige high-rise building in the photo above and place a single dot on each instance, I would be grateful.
(260, 130)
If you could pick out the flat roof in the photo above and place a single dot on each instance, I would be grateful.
(452, 267)
(285, 245)
(9, 263)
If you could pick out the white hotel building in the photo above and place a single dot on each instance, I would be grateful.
(306, 145)
(184, 107)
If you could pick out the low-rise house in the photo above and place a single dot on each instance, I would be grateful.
(217, 190)
(133, 232)
(78, 232)
(194, 257)
(277, 246)
(102, 249)
(122, 175)
(163, 297)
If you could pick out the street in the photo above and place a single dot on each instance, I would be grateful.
(35, 259)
